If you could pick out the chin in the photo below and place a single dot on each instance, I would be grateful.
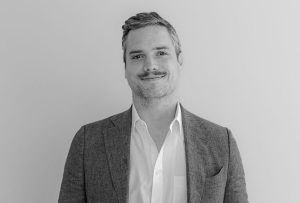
(151, 94)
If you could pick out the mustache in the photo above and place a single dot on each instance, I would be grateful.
(153, 73)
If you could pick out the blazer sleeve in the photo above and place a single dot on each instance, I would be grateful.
(235, 191)
(73, 182)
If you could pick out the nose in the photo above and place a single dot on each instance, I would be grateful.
(150, 65)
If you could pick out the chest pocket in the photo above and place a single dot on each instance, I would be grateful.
(214, 187)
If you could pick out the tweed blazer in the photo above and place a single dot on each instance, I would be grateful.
(97, 165)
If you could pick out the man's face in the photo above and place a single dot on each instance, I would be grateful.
(152, 68)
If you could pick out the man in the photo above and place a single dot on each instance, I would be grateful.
(156, 151)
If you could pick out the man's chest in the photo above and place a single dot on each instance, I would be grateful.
(157, 176)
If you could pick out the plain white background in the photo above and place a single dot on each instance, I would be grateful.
(61, 67)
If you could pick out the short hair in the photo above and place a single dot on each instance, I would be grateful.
(144, 19)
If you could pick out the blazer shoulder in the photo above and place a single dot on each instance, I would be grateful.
(200, 122)
(106, 123)
(209, 131)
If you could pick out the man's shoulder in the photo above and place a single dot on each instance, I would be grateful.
(196, 120)
(206, 127)
(107, 122)
(200, 130)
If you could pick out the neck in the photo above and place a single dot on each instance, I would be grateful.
(158, 111)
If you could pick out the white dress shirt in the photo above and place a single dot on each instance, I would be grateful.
(157, 177)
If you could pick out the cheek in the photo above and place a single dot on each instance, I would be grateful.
(170, 62)
(127, 73)
(165, 62)
(130, 72)
(175, 72)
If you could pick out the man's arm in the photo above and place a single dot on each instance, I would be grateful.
(73, 184)
(235, 190)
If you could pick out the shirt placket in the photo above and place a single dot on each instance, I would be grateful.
(157, 185)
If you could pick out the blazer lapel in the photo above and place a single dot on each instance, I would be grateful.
(194, 144)
(117, 145)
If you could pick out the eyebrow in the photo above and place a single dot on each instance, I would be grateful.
(135, 52)
(140, 51)
(159, 48)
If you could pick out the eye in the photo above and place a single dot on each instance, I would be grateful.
(137, 57)
(162, 53)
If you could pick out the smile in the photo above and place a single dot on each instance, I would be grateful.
(156, 77)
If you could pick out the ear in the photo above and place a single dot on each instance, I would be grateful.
(180, 59)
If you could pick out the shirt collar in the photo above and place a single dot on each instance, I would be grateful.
(135, 116)
(177, 118)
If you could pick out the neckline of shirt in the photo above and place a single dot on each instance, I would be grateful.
(177, 118)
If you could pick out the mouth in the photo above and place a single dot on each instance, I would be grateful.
(154, 77)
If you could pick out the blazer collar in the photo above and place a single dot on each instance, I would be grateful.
(117, 145)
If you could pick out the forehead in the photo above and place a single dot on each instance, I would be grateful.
(148, 38)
